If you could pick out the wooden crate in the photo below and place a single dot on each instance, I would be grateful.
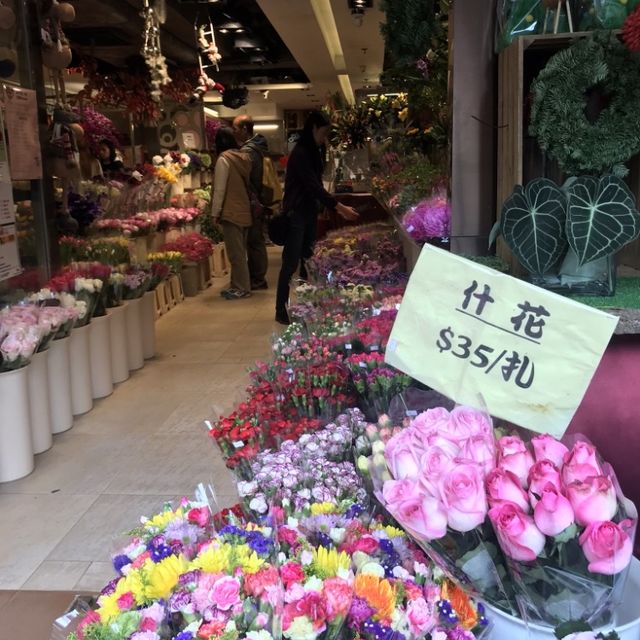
(219, 262)
(177, 293)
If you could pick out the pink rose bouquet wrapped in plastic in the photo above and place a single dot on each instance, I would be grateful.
(541, 525)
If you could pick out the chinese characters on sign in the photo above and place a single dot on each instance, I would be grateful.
(497, 343)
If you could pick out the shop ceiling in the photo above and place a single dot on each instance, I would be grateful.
(317, 46)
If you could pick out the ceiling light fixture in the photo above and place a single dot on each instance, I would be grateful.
(284, 86)
(266, 127)
(347, 89)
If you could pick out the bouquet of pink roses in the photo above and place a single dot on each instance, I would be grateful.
(541, 526)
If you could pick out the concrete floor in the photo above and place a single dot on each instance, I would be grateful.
(136, 449)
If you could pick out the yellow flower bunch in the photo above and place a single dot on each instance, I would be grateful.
(161, 520)
(322, 508)
(327, 562)
(392, 532)
(225, 558)
(166, 174)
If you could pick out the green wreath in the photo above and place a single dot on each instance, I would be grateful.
(558, 118)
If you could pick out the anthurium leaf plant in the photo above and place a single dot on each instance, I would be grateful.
(532, 223)
(601, 217)
(594, 217)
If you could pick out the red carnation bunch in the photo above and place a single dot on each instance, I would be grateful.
(631, 30)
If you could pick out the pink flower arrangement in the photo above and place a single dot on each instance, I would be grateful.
(430, 218)
(193, 246)
(553, 509)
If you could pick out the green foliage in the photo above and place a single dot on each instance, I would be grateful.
(410, 25)
(532, 224)
(601, 218)
(601, 67)
(211, 230)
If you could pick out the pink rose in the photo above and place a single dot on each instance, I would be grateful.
(291, 572)
(434, 463)
(463, 497)
(338, 595)
(540, 475)
(422, 516)
(514, 456)
(401, 457)
(199, 516)
(607, 546)
(593, 500)
(467, 422)
(431, 421)
(126, 601)
(225, 593)
(546, 447)
(504, 486)
(580, 463)
(553, 512)
(420, 616)
(480, 449)
(396, 491)
(517, 533)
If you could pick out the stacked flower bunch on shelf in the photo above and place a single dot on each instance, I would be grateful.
(536, 527)
(147, 222)
(194, 247)
(330, 571)
(365, 255)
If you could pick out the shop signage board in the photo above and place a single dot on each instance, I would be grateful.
(21, 116)
(9, 254)
(491, 341)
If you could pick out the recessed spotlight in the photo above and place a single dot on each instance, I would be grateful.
(224, 30)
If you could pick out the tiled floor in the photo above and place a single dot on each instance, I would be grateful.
(143, 445)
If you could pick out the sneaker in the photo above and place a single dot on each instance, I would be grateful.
(259, 286)
(282, 317)
(236, 294)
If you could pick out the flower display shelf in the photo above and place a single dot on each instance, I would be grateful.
(219, 261)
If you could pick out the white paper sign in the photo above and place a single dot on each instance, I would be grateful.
(9, 256)
(494, 342)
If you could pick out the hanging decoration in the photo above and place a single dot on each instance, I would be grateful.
(7, 17)
(56, 52)
(152, 52)
(208, 57)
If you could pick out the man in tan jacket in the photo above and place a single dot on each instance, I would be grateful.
(231, 207)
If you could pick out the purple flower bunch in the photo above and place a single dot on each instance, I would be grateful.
(313, 469)
(430, 218)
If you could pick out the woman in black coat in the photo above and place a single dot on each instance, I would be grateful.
(304, 197)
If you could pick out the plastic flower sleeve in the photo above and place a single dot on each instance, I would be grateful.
(572, 559)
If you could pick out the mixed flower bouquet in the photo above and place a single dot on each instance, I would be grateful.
(85, 292)
(173, 259)
(135, 283)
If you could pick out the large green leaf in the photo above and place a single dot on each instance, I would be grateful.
(601, 217)
(532, 224)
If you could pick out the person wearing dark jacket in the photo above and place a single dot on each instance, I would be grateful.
(257, 148)
(304, 197)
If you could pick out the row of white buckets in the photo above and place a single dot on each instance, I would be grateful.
(41, 399)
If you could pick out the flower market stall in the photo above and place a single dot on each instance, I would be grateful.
(370, 505)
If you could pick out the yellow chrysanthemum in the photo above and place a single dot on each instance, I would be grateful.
(133, 583)
(327, 562)
(163, 519)
(378, 593)
(162, 577)
(392, 532)
(215, 559)
(321, 508)
(108, 609)
(251, 563)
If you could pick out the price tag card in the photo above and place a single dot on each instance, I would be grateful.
(494, 342)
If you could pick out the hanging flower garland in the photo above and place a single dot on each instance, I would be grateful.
(209, 56)
(152, 53)
(558, 118)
